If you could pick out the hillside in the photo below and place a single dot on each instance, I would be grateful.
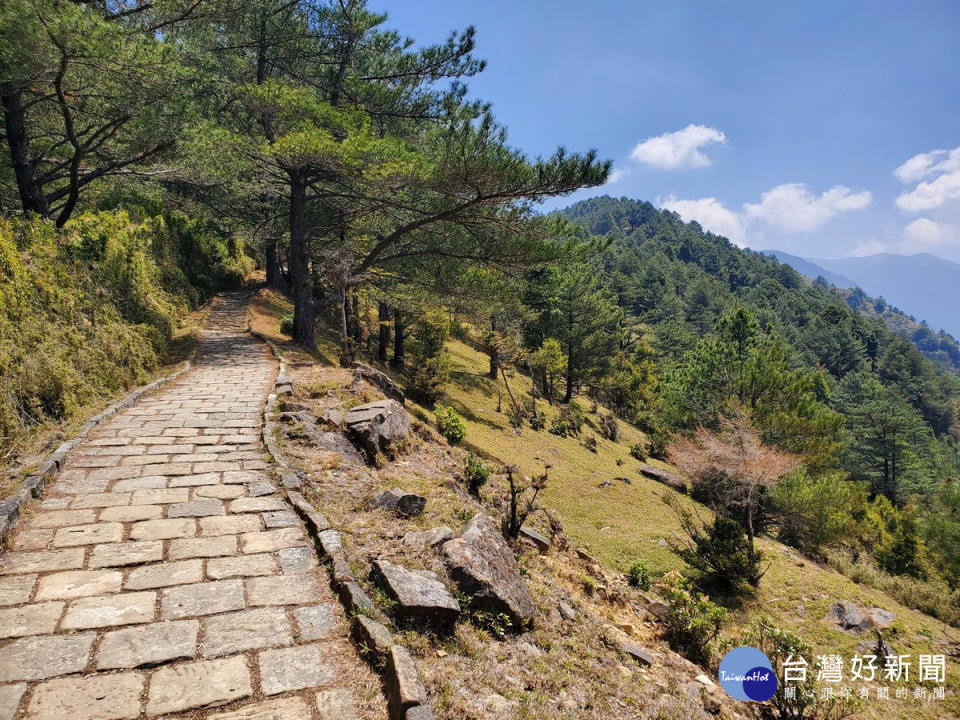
(937, 345)
(605, 506)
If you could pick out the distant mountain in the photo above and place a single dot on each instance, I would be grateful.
(924, 286)
(811, 269)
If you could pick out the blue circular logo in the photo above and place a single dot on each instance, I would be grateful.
(746, 674)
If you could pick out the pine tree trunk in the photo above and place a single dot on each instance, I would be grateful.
(346, 343)
(304, 318)
(494, 355)
(31, 195)
(398, 339)
(274, 279)
(383, 312)
(357, 323)
(568, 395)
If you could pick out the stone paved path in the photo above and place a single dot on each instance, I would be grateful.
(162, 575)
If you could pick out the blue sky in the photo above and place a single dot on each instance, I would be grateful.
(781, 125)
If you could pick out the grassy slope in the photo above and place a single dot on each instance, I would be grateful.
(621, 523)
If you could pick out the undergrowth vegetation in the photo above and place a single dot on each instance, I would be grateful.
(89, 310)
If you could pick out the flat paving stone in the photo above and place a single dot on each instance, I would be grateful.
(290, 708)
(61, 518)
(294, 668)
(336, 704)
(198, 684)
(242, 566)
(280, 519)
(32, 538)
(180, 572)
(35, 619)
(16, 589)
(148, 645)
(131, 513)
(245, 630)
(241, 476)
(220, 546)
(163, 529)
(315, 622)
(46, 561)
(224, 492)
(296, 589)
(88, 534)
(44, 656)
(10, 698)
(201, 599)
(78, 583)
(151, 482)
(257, 504)
(99, 697)
(230, 525)
(100, 500)
(297, 560)
(201, 507)
(160, 496)
(271, 540)
(128, 553)
(97, 612)
(210, 478)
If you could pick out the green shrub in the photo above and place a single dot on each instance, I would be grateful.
(590, 443)
(609, 427)
(476, 473)
(639, 575)
(723, 555)
(691, 621)
(450, 424)
(568, 421)
(431, 366)
(638, 451)
(286, 325)
(537, 420)
(86, 312)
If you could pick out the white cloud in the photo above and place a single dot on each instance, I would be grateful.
(616, 175)
(944, 168)
(678, 150)
(791, 207)
(871, 247)
(923, 235)
(711, 214)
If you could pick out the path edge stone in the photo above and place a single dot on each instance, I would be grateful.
(367, 622)
(33, 484)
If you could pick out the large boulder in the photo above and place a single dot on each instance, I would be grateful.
(378, 427)
(852, 618)
(380, 380)
(400, 501)
(482, 565)
(419, 594)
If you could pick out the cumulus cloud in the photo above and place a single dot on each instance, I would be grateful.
(711, 214)
(923, 235)
(937, 174)
(678, 150)
(871, 247)
(793, 208)
(616, 175)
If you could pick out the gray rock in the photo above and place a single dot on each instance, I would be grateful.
(419, 594)
(852, 618)
(567, 612)
(300, 416)
(637, 653)
(378, 427)
(658, 609)
(419, 712)
(541, 541)
(428, 538)
(292, 407)
(664, 476)
(400, 501)
(379, 380)
(333, 417)
(483, 566)
(372, 637)
(330, 441)
(404, 686)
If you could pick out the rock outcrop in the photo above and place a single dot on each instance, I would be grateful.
(378, 427)
(419, 594)
(400, 501)
(664, 476)
(380, 380)
(852, 618)
(483, 566)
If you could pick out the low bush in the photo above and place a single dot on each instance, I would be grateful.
(450, 424)
(638, 451)
(609, 427)
(476, 473)
(691, 621)
(639, 575)
(286, 325)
